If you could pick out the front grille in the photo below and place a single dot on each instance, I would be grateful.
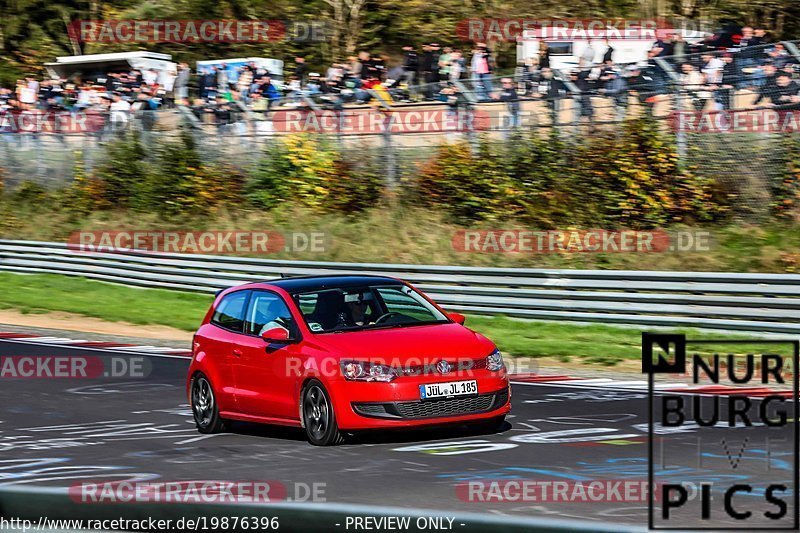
(446, 407)
(434, 408)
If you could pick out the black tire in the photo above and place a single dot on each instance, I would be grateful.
(204, 406)
(492, 425)
(319, 420)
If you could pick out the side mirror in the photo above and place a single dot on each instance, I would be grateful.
(458, 318)
(275, 335)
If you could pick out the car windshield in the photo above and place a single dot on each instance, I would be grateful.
(361, 308)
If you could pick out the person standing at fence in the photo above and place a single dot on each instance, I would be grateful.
(587, 56)
(746, 57)
(608, 55)
(144, 108)
(458, 66)
(426, 71)
(614, 87)
(552, 90)
(445, 62)
(711, 68)
(300, 70)
(786, 95)
(120, 110)
(770, 85)
(544, 55)
(410, 65)
(723, 91)
(269, 91)
(642, 82)
(182, 82)
(368, 68)
(210, 87)
(481, 68)
(693, 83)
(581, 79)
(508, 94)
(679, 48)
(222, 79)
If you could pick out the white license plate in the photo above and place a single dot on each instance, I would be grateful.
(448, 389)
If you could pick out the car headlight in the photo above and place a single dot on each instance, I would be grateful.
(364, 371)
(495, 361)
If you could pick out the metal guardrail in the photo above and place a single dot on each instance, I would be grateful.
(29, 503)
(763, 303)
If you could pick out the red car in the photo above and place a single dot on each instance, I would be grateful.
(337, 354)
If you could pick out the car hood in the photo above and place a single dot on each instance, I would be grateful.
(437, 341)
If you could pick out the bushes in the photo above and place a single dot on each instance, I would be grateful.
(632, 179)
(171, 180)
(629, 177)
(786, 185)
(471, 186)
(180, 183)
(306, 171)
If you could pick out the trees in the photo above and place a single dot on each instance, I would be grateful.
(33, 32)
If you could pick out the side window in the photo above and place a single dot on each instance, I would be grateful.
(230, 311)
(266, 311)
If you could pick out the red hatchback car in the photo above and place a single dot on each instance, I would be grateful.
(337, 354)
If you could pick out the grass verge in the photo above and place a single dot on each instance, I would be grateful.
(41, 293)
(402, 234)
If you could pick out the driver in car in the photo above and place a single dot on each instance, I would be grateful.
(357, 306)
(274, 319)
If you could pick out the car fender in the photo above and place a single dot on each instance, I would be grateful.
(330, 388)
(202, 363)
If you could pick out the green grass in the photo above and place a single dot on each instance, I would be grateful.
(594, 343)
(41, 293)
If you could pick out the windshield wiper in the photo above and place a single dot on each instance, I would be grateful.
(406, 324)
(385, 326)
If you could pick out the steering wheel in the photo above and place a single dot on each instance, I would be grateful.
(384, 317)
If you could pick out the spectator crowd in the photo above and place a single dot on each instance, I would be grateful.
(709, 75)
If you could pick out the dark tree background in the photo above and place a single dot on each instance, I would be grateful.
(33, 32)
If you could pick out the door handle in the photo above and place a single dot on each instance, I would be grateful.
(237, 353)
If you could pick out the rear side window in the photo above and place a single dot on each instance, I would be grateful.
(230, 311)
(559, 49)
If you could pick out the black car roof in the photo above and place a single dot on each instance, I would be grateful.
(343, 281)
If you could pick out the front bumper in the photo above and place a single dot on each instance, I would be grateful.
(397, 404)
(439, 408)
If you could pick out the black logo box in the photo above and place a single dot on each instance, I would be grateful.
(675, 345)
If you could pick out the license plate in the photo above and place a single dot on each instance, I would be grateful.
(448, 389)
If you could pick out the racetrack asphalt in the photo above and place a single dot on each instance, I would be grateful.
(58, 432)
